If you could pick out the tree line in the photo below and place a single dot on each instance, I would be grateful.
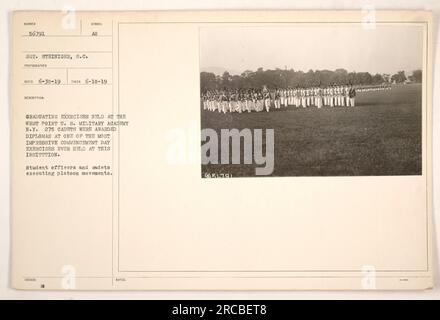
(279, 78)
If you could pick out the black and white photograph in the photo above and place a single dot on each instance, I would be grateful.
(311, 100)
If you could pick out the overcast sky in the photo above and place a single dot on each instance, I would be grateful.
(385, 49)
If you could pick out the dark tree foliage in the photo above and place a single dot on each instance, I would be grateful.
(281, 78)
(416, 76)
(399, 77)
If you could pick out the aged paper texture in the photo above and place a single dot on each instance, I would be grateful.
(227, 150)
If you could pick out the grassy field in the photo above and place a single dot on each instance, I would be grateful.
(380, 136)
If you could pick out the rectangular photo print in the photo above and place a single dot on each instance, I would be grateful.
(311, 100)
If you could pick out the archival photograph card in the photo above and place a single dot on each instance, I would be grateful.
(221, 150)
